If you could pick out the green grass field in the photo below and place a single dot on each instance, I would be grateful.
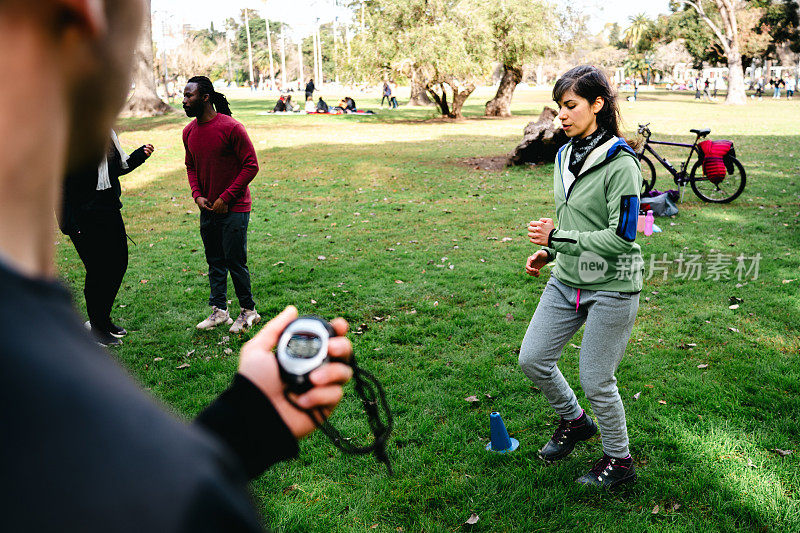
(424, 256)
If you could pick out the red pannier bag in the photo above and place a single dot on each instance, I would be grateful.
(715, 163)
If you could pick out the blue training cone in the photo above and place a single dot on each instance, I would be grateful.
(500, 442)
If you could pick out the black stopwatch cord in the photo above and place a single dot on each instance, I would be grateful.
(373, 398)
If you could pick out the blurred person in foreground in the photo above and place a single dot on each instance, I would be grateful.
(83, 448)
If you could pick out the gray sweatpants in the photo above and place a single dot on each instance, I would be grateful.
(609, 319)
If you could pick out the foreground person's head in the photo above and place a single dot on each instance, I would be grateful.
(81, 51)
(586, 101)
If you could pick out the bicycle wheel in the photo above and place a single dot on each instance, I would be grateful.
(723, 192)
(648, 174)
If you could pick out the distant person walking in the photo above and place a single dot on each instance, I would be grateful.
(220, 163)
(393, 87)
(778, 84)
(310, 88)
(387, 94)
(791, 84)
(91, 215)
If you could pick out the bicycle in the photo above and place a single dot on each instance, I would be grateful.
(716, 190)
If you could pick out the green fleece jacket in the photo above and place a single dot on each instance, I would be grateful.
(594, 241)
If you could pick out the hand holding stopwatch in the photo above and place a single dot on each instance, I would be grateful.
(301, 349)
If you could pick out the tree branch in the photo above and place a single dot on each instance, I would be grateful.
(700, 11)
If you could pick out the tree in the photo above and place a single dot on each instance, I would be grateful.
(443, 43)
(520, 31)
(635, 33)
(144, 101)
(727, 36)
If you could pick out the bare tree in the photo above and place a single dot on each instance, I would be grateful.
(144, 101)
(728, 39)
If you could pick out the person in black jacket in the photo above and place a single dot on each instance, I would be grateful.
(309, 88)
(92, 218)
(83, 447)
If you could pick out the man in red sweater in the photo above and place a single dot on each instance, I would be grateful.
(220, 163)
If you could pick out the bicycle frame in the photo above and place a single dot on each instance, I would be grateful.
(678, 175)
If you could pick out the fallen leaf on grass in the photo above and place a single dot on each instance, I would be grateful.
(181, 367)
(321, 258)
(471, 399)
(789, 280)
(278, 263)
(662, 402)
(575, 346)
(636, 396)
(488, 395)
(190, 353)
(373, 526)
(734, 306)
(289, 489)
(702, 365)
(228, 351)
(782, 453)
(750, 463)
(676, 507)
(509, 317)
(143, 280)
(506, 239)
(399, 281)
(734, 330)
(655, 510)
(313, 301)
(473, 519)
(157, 359)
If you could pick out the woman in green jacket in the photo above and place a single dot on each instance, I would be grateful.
(597, 275)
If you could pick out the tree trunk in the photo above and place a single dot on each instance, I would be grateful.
(736, 89)
(419, 95)
(500, 105)
(460, 95)
(441, 101)
(144, 102)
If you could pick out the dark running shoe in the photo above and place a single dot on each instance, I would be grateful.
(610, 473)
(567, 435)
(117, 331)
(105, 338)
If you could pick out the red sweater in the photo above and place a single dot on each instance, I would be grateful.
(220, 161)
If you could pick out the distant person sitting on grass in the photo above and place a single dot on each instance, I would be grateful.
(84, 447)
(280, 105)
(220, 164)
(347, 105)
(322, 106)
(600, 175)
(310, 107)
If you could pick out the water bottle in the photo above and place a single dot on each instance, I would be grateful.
(648, 223)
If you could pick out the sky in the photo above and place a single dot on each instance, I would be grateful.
(302, 14)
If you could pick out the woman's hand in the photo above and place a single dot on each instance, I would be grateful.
(535, 263)
(539, 231)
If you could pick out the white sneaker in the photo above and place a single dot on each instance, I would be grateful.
(246, 319)
(218, 316)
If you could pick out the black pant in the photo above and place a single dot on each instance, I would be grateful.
(225, 241)
(103, 248)
(388, 98)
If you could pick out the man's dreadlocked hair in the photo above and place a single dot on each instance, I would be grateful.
(218, 100)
